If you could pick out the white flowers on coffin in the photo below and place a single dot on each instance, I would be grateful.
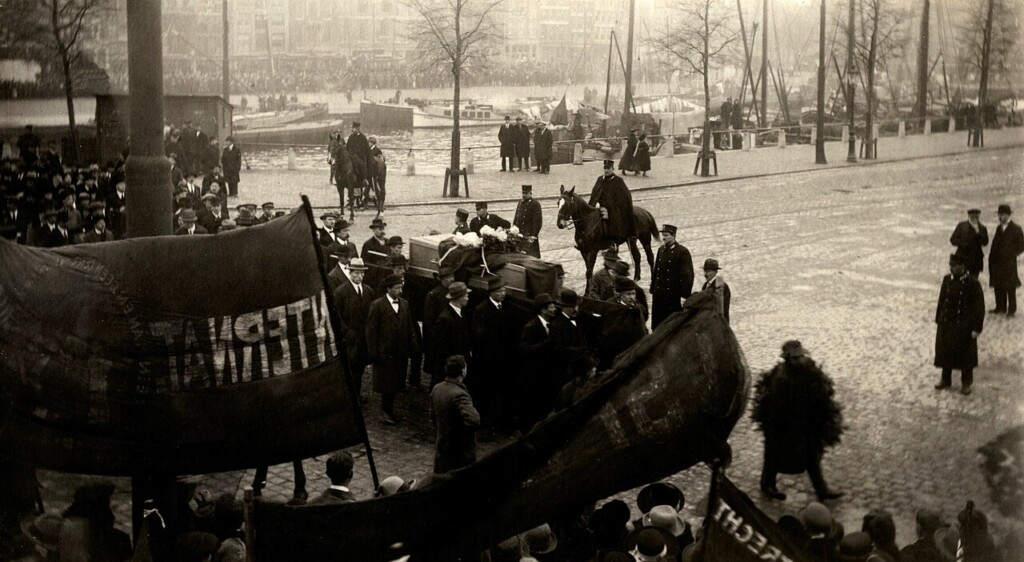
(486, 230)
(468, 240)
(514, 230)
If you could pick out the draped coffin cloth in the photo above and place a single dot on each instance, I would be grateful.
(173, 354)
(669, 402)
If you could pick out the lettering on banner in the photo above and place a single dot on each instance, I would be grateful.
(733, 525)
(204, 353)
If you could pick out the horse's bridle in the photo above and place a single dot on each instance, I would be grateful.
(572, 222)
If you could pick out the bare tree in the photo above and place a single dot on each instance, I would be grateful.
(989, 31)
(456, 36)
(882, 30)
(699, 40)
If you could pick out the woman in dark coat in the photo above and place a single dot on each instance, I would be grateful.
(626, 162)
(795, 409)
(960, 316)
(642, 156)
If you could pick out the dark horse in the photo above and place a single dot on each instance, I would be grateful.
(590, 238)
(344, 174)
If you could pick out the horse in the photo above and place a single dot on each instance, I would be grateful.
(344, 175)
(574, 211)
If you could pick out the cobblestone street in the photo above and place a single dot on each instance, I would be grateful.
(848, 260)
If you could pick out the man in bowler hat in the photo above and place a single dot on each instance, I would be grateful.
(391, 339)
(1007, 245)
(960, 316)
(719, 288)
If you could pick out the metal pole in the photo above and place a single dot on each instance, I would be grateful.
(149, 209)
(626, 121)
(923, 71)
(819, 144)
(764, 63)
(226, 64)
(851, 85)
(608, 74)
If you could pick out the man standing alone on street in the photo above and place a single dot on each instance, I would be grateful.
(1007, 244)
(507, 139)
(960, 316)
(455, 418)
(672, 277)
(969, 237)
(529, 219)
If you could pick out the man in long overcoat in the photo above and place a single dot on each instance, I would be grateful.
(353, 299)
(456, 418)
(359, 149)
(433, 304)
(671, 278)
(960, 316)
(493, 353)
(1007, 244)
(969, 237)
(626, 162)
(528, 219)
(543, 143)
(506, 137)
(522, 142)
(231, 161)
(390, 340)
(536, 348)
(623, 324)
(450, 334)
(613, 199)
(795, 409)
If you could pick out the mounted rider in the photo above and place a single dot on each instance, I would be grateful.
(611, 196)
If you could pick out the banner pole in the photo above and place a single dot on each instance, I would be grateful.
(339, 346)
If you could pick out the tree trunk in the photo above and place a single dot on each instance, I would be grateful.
(922, 63)
(986, 49)
(69, 94)
(705, 145)
(819, 144)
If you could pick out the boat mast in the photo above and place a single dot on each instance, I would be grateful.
(747, 74)
(608, 74)
(764, 63)
(225, 68)
(629, 68)
(922, 63)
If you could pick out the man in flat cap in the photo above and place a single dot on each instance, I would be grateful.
(1007, 245)
(268, 212)
(484, 218)
(325, 234)
(246, 215)
(450, 332)
(671, 278)
(615, 203)
(960, 316)
(391, 339)
(528, 219)
(461, 221)
(969, 237)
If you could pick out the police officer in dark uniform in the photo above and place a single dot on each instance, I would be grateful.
(483, 218)
(528, 218)
(672, 278)
(612, 198)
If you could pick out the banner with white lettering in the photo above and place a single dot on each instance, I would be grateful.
(175, 354)
(737, 531)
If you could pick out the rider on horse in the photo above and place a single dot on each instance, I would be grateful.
(612, 197)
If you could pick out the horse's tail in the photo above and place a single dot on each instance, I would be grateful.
(646, 225)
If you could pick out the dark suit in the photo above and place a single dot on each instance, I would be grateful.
(209, 221)
(536, 349)
(331, 497)
(456, 421)
(1007, 244)
(542, 145)
(671, 280)
(183, 231)
(390, 341)
(621, 327)
(231, 162)
(372, 249)
(491, 220)
(521, 138)
(969, 243)
(961, 310)
(354, 310)
(337, 278)
(53, 238)
(493, 355)
(92, 236)
(506, 138)
(433, 304)
(18, 223)
(449, 336)
(570, 342)
(602, 286)
(528, 219)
